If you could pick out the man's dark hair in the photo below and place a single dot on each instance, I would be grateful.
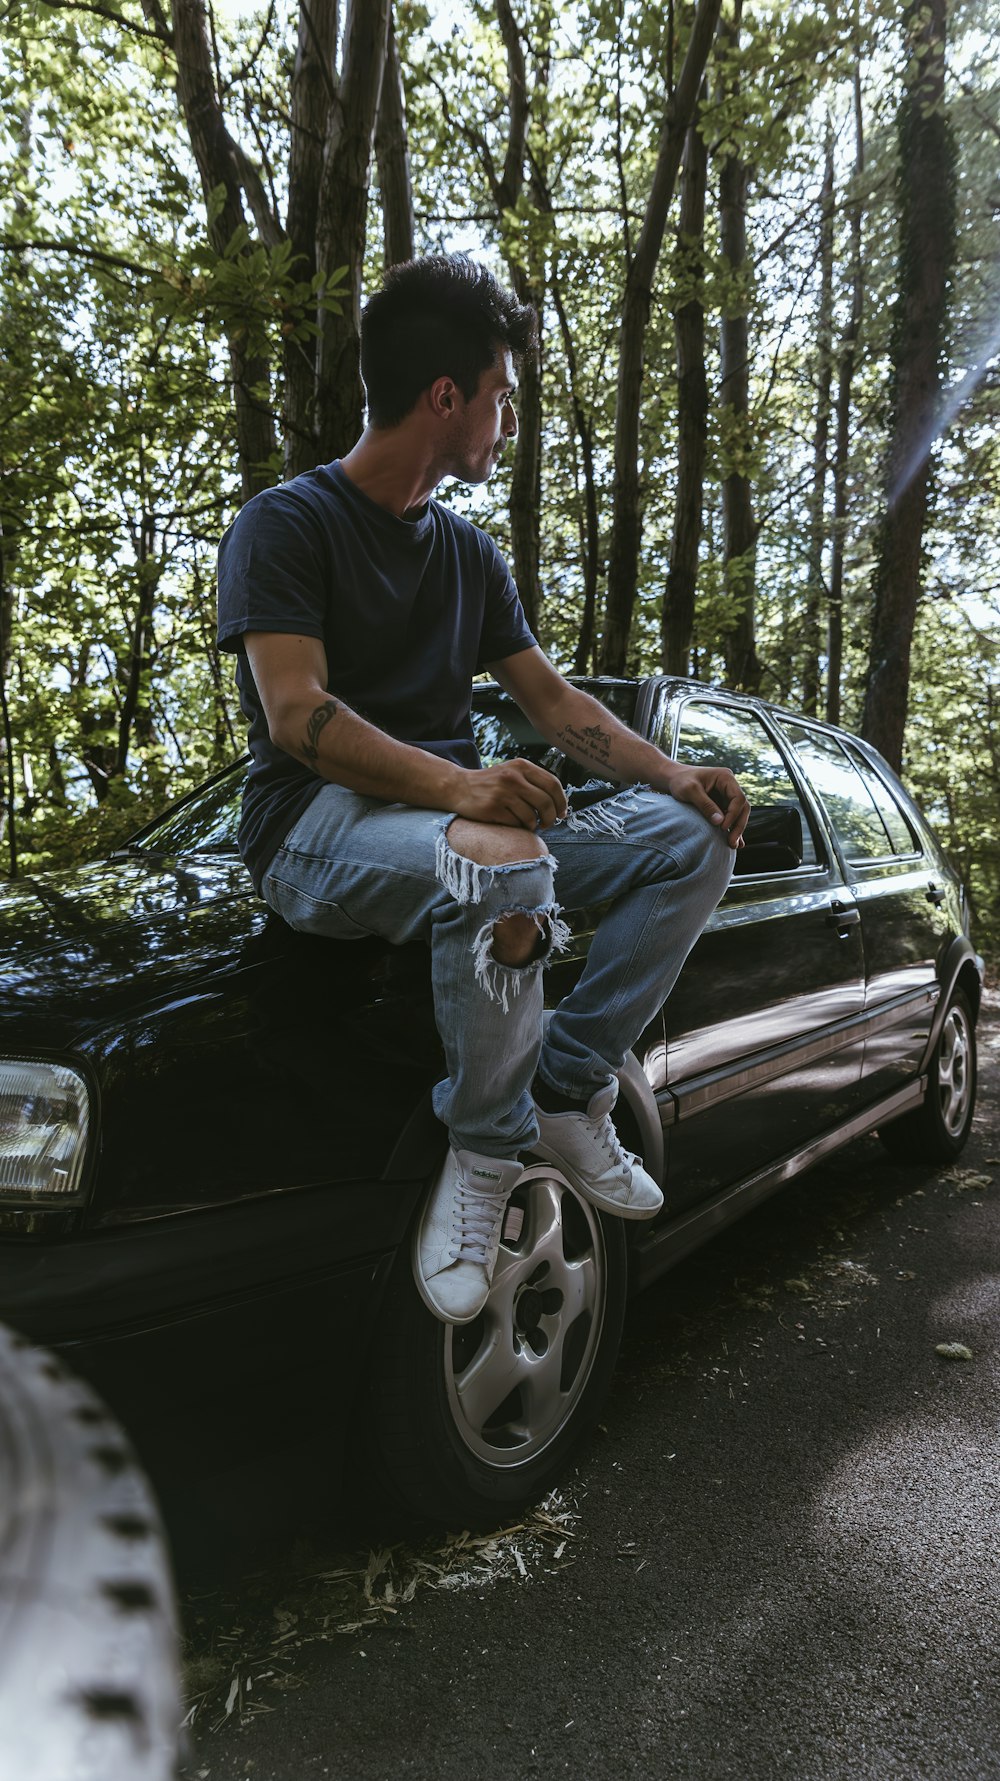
(443, 316)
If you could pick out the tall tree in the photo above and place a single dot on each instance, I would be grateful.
(525, 256)
(341, 221)
(926, 187)
(589, 522)
(743, 666)
(393, 157)
(815, 587)
(692, 407)
(512, 172)
(848, 355)
(333, 111)
(626, 523)
(225, 173)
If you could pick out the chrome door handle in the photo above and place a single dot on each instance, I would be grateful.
(840, 917)
(934, 894)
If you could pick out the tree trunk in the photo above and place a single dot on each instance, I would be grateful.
(393, 157)
(312, 89)
(739, 648)
(8, 806)
(626, 525)
(692, 410)
(342, 223)
(526, 475)
(842, 447)
(218, 166)
(927, 234)
(583, 657)
(527, 275)
(821, 444)
(137, 668)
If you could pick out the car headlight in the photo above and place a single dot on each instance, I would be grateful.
(44, 1114)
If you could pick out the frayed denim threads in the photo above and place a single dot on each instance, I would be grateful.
(468, 881)
(500, 981)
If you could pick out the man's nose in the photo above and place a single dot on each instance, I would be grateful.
(510, 422)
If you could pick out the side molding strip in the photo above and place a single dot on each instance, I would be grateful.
(661, 1248)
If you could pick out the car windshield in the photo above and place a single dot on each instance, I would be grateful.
(205, 823)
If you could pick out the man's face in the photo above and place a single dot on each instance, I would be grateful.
(485, 422)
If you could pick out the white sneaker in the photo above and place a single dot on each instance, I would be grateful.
(588, 1150)
(456, 1240)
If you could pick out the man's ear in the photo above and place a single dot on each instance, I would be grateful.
(441, 396)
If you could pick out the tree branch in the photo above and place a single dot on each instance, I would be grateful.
(511, 180)
(252, 60)
(268, 225)
(158, 35)
(153, 11)
(18, 244)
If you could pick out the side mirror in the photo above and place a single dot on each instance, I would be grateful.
(772, 841)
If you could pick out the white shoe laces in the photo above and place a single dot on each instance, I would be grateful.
(606, 1136)
(475, 1218)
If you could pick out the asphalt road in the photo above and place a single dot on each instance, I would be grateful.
(778, 1559)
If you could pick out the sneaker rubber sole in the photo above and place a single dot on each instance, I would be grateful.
(603, 1202)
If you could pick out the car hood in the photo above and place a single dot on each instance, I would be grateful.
(82, 947)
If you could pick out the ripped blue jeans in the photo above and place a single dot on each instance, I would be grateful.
(353, 866)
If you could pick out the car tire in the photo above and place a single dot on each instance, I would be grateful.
(466, 1426)
(89, 1668)
(937, 1130)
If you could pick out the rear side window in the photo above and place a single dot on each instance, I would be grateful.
(896, 823)
(849, 797)
(713, 735)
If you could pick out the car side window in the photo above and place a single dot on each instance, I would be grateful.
(896, 822)
(714, 735)
(848, 799)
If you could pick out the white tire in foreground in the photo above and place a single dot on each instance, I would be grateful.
(89, 1672)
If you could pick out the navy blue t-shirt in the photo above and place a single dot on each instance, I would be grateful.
(408, 611)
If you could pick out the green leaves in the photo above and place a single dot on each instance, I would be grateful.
(118, 462)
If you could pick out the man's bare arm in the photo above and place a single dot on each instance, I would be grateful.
(307, 722)
(586, 731)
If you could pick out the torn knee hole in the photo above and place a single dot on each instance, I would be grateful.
(500, 979)
(469, 880)
(521, 939)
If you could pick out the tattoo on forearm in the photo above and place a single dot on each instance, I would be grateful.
(588, 744)
(318, 721)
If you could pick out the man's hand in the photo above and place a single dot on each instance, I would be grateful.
(716, 793)
(572, 720)
(513, 792)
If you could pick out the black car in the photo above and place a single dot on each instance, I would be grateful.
(215, 1133)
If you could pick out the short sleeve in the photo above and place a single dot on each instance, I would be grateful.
(273, 574)
(505, 629)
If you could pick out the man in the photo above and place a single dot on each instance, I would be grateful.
(360, 610)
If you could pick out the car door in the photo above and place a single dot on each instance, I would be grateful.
(763, 1029)
(899, 892)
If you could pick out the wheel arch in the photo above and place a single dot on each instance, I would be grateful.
(962, 969)
(641, 1101)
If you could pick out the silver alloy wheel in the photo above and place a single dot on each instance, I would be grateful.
(515, 1375)
(954, 1069)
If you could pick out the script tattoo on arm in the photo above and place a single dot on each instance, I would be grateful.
(317, 722)
(590, 743)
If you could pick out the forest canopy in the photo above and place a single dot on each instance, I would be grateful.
(759, 440)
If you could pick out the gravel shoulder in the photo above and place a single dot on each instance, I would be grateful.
(778, 1559)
